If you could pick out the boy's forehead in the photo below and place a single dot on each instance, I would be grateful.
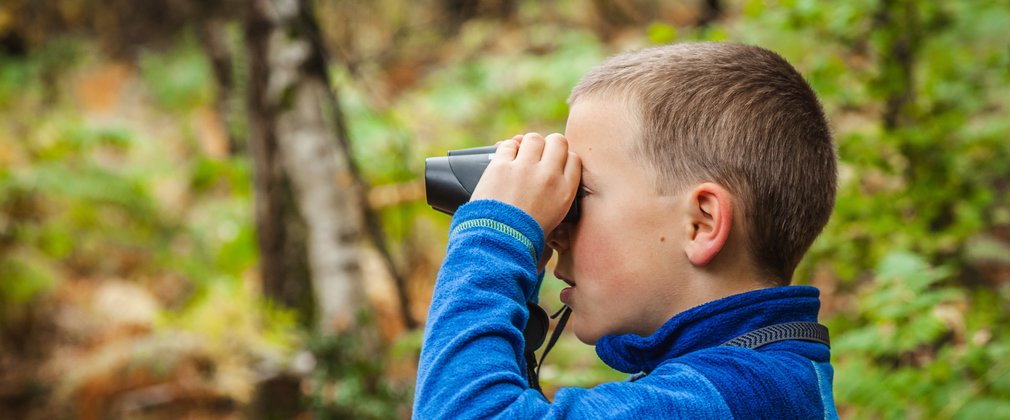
(604, 133)
(603, 123)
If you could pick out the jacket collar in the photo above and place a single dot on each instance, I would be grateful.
(709, 325)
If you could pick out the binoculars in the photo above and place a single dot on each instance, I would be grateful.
(449, 180)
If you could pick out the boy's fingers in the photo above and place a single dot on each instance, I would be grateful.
(506, 151)
(532, 148)
(555, 151)
(573, 169)
(518, 138)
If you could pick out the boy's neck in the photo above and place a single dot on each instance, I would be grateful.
(707, 287)
(729, 273)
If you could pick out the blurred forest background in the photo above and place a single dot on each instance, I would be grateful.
(215, 209)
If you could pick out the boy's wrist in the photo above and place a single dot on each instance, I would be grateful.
(514, 222)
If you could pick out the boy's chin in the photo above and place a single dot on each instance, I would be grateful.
(587, 337)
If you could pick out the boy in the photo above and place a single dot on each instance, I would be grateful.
(706, 171)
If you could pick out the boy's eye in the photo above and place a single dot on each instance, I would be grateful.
(582, 192)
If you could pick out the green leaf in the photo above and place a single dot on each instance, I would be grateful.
(661, 33)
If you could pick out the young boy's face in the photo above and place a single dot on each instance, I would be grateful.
(624, 255)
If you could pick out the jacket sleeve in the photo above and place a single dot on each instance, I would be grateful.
(471, 363)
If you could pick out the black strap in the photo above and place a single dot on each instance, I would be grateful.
(565, 313)
(806, 331)
(533, 337)
(532, 373)
(534, 333)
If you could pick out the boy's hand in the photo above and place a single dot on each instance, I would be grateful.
(537, 175)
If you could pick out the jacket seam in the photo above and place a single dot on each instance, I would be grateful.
(500, 227)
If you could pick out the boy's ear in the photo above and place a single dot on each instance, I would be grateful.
(710, 217)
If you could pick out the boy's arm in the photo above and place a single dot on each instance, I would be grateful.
(471, 359)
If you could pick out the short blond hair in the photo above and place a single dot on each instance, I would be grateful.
(740, 116)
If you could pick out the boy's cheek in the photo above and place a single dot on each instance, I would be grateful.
(595, 255)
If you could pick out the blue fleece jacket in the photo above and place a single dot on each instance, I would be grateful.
(471, 362)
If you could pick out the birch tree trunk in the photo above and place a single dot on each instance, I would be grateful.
(293, 137)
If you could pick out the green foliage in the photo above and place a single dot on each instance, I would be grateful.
(898, 313)
(180, 79)
(232, 321)
(70, 207)
(30, 82)
(908, 350)
(99, 197)
(660, 33)
(466, 104)
(25, 278)
(349, 380)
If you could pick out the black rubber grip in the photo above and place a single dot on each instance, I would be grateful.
(806, 331)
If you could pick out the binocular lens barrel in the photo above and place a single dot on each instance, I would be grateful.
(450, 180)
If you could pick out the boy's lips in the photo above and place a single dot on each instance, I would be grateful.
(563, 278)
(566, 293)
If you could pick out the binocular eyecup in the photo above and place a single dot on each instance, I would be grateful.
(449, 180)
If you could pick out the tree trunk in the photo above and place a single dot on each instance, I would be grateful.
(223, 55)
(293, 137)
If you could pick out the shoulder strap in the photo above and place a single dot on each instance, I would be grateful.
(806, 331)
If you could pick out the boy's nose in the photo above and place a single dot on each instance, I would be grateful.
(559, 237)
